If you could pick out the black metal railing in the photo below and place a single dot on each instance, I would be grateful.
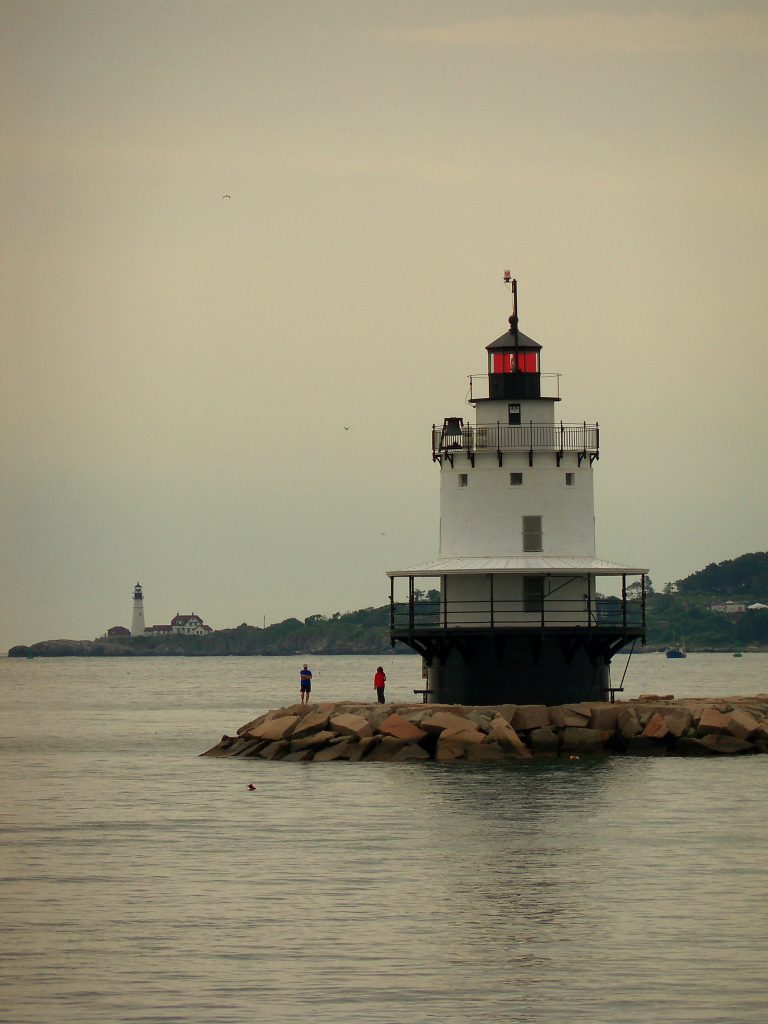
(596, 614)
(479, 385)
(454, 435)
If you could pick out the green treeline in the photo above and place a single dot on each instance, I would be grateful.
(742, 578)
(681, 613)
(365, 631)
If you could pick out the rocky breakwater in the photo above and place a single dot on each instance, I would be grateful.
(650, 725)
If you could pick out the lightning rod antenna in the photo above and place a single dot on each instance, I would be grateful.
(512, 283)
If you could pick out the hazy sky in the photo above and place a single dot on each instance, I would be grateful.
(178, 368)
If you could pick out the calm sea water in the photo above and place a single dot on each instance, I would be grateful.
(141, 883)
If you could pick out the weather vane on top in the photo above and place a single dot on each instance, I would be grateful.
(512, 283)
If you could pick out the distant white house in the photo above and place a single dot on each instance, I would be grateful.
(728, 607)
(190, 625)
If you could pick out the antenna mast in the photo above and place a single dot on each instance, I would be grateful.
(512, 283)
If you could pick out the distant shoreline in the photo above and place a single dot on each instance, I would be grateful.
(181, 647)
(124, 649)
(362, 632)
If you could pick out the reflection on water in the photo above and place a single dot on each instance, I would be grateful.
(141, 883)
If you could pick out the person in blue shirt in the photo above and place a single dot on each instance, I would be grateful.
(305, 677)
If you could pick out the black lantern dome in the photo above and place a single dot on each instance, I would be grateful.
(514, 369)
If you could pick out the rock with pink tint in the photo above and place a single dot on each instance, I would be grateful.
(544, 741)
(385, 749)
(720, 743)
(501, 732)
(605, 716)
(741, 724)
(314, 721)
(448, 750)
(468, 735)
(313, 742)
(399, 727)
(657, 728)
(273, 728)
(587, 740)
(712, 721)
(530, 716)
(628, 723)
(442, 720)
(566, 715)
(679, 720)
(351, 725)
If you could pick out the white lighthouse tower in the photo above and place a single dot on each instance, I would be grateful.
(137, 622)
(520, 617)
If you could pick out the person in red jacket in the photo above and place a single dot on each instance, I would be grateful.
(378, 683)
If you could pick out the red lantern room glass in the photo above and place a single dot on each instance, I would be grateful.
(514, 366)
(511, 362)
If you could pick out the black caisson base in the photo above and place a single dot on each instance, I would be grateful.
(517, 669)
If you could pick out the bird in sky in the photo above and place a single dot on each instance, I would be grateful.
(226, 197)
(346, 428)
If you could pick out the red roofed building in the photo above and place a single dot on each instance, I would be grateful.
(190, 624)
(118, 631)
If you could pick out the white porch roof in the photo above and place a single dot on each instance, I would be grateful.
(556, 566)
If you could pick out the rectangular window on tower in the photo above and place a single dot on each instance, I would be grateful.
(533, 593)
(570, 479)
(463, 479)
(515, 479)
(532, 534)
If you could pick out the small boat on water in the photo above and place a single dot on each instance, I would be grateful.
(676, 651)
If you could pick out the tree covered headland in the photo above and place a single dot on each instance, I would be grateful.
(742, 578)
(365, 631)
(681, 612)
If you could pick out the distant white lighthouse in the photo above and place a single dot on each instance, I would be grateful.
(520, 617)
(137, 622)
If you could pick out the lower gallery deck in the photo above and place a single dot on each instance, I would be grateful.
(519, 636)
